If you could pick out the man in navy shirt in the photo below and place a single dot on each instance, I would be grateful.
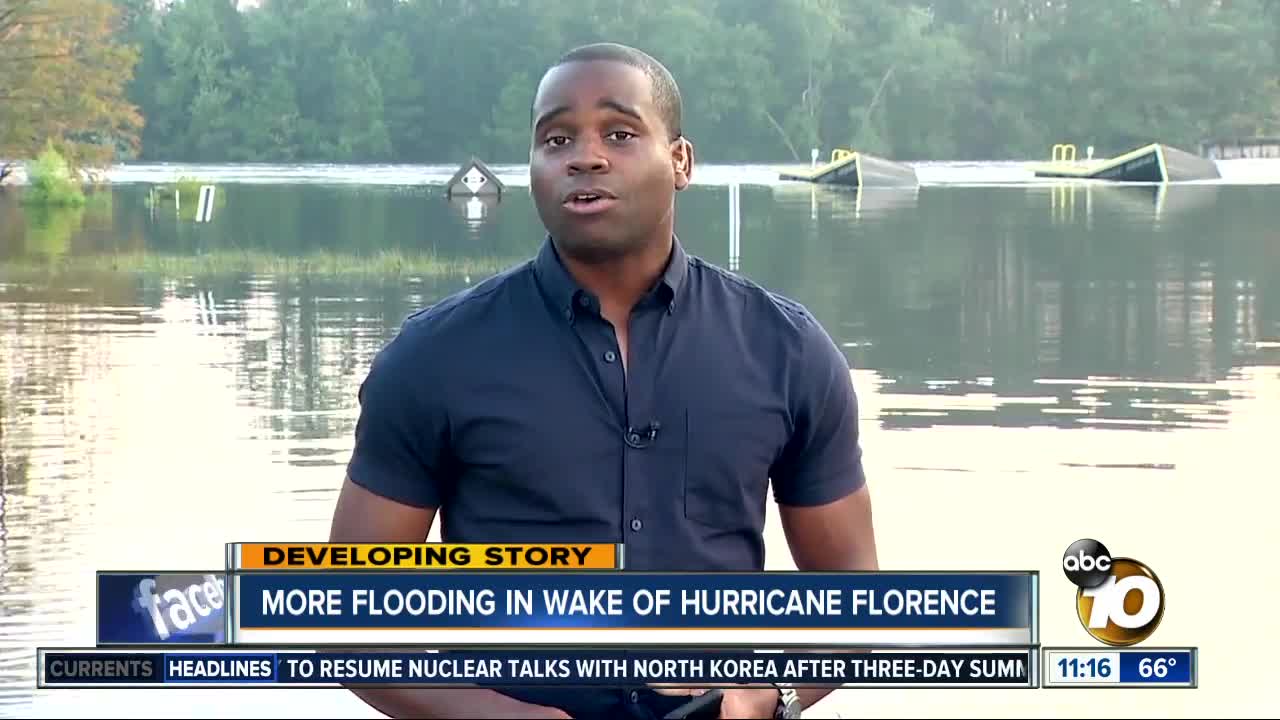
(611, 389)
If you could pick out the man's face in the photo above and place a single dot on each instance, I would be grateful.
(603, 168)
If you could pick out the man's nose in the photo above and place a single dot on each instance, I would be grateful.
(588, 158)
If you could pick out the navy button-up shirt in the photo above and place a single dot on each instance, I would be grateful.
(507, 406)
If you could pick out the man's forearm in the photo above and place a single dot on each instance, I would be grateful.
(451, 703)
(811, 695)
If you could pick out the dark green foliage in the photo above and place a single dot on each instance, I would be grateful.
(418, 81)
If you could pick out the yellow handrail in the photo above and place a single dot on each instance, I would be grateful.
(1064, 152)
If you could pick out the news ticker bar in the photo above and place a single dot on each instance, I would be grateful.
(248, 668)
(1121, 667)
(967, 668)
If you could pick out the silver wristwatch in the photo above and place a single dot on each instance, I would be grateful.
(788, 703)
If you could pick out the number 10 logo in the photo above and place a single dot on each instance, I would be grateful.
(1120, 601)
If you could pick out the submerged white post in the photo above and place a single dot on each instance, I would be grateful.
(204, 211)
(735, 214)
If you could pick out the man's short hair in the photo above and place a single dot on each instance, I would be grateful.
(666, 94)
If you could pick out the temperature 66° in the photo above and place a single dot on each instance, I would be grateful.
(1155, 667)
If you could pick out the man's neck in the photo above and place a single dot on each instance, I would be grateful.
(621, 282)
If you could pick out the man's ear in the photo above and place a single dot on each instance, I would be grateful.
(682, 162)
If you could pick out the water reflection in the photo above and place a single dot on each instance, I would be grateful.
(980, 301)
(168, 386)
(990, 295)
(848, 204)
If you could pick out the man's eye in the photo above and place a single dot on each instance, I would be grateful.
(555, 140)
(620, 135)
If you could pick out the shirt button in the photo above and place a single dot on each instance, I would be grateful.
(635, 696)
(633, 438)
(584, 301)
(610, 356)
(637, 525)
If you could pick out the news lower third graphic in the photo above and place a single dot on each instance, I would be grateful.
(537, 668)
(309, 615)
(468, 608)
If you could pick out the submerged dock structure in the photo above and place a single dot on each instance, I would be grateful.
(1240, 148)
(1155, 163)
(855, 169)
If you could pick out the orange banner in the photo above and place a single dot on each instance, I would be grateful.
(426, 556)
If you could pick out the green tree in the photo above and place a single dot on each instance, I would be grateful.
(359, 134)
(762, 80)
(63, 78)
(197, 98)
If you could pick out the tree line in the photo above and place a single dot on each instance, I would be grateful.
(420, 81)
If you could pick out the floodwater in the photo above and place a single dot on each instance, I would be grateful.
(1036, 363)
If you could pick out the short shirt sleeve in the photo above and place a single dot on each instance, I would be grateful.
(822, 461)
(401, 435)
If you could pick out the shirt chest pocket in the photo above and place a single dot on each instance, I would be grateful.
(727, 459)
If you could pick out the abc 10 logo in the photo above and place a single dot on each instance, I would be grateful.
(1120, 601)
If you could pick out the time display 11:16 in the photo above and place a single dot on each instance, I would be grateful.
(1090, 667)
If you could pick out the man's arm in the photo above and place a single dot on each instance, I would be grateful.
(365, 517)
(835, 537)
(396, 479)
(819, 482)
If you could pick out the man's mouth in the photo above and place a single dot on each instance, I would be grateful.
(588, 202)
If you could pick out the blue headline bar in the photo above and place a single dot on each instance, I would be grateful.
(635, 600)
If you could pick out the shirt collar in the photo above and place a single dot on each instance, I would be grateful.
(567, 296)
